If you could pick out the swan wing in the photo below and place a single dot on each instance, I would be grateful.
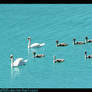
(18, 61)
(35, 45)
(42, 44)
(25, 61)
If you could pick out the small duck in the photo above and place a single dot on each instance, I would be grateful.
(61, 44)
(77, 43)
(57, 60)
(87, 41)
(90, 56)
(38, 55)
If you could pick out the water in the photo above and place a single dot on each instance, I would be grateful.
(45, 23)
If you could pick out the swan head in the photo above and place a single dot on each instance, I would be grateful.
(11, 56)
(29, 38)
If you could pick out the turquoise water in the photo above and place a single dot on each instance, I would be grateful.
(45, 23)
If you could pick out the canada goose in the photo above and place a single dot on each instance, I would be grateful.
(61, 44)
(34, 44)
(38, 55)
(77, 43)
(88, 41)
(57, 60)
(90, 56)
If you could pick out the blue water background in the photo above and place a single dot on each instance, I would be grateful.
(45, 23)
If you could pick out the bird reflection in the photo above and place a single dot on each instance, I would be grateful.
(30, 50)
(15, 72)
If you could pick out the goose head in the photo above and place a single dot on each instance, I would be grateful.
(74, 39)
(57, 42)
(34, 53)
(86, 38)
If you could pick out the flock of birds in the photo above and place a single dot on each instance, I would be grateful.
(21, 61)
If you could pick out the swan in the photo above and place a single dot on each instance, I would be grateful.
(90, 56)
(17, 62)
(88, 41)
(61, 44)
(78, 43)
(38, 55)
(34, 44)
(57, 60)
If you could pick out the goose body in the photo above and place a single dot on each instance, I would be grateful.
(61, 44)
(57, 60)
(78, 43)
(34, 44)
(88, 41)
(17, 62)
(89, 56)
(38, 55)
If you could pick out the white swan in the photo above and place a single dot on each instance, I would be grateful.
(17, 62)
(34, 44)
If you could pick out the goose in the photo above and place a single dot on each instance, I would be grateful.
(90, 56)
(17, 62)
(61, 44)
(38, 55)
(34, 44)
(87, 41)
(78, 43)
(57, 60)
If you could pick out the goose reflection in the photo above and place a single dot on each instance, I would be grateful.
(30, 50)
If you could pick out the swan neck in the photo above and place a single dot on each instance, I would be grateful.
(12, 61)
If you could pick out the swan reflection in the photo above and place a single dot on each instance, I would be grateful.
(31, 50)
(15, 72)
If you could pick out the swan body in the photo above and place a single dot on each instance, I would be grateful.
(37, 45)
(57, 60)
(88, 41)
(89, 56)
(38, 55)
(61, 44)
(17, 62)
(34, 44)
(78, 43)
